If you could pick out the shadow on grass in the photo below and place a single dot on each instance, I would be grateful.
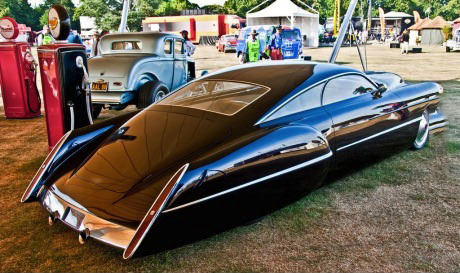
(32, 165)
(298, 208)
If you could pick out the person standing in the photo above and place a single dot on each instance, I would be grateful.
(189, 51)
(95, 44)
(276, 41)
(44, 38)
(74, 38)
(405, 42)
(253, 48)
(189, 46)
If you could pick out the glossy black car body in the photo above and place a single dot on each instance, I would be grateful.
(247, 132)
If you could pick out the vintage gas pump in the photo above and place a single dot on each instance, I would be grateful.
(17, 74)
(62, 69)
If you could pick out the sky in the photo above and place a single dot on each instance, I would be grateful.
(199, 2)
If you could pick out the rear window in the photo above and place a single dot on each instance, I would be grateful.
(127, 45)
(290, 34)
(223, 97)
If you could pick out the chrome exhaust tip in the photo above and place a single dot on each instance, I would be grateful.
(52, 218)
(83, 236)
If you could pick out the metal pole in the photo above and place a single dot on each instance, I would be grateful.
(124, 17)
(368, 28)
(343, 31)
(359, 50)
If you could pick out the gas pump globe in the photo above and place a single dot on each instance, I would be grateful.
(63, 67)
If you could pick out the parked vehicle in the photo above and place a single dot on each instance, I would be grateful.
(226, 43)
(453, 44)
(292, 40)
(137, 68)
(234, 138)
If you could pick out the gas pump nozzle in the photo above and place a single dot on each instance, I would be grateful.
(72, 115)
(80, 64)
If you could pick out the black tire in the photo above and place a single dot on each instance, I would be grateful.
(423, 133)
(447, 49)
(151, 92)
(96, 110)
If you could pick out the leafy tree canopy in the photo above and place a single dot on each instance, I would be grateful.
(21, 11)
(107, 12)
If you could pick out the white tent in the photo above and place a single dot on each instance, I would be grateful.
(285, 12)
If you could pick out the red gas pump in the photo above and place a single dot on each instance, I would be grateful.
(62, 70)
(17, 74)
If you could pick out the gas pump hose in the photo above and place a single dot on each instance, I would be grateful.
(34, 67)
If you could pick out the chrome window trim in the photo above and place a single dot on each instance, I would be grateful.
(293, 168)
(380, 133)
(325, 81)
(346, 74)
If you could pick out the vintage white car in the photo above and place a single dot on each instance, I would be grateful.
(453, 44)
(137, 68)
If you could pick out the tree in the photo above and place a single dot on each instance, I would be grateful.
(21, 11)
(106, 12)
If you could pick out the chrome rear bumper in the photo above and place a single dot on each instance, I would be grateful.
(438, 122)
(62, 208)
(119, 97)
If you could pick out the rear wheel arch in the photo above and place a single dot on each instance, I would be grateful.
(144, 78)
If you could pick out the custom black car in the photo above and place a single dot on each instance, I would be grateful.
(248, 131)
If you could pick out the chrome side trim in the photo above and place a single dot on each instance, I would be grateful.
(305, 164)
(380, 133)
(267, 116)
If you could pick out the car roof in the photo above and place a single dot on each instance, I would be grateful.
(268, 27)
(140, 35)
(284, 78)
(264, 73)
(152, 42)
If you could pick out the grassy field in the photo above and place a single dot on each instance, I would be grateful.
(399, 214)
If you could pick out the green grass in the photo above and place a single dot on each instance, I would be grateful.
(453, 147)
(36, 246)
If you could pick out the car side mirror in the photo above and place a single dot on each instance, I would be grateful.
(380, 90)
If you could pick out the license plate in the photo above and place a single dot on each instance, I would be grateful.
(99, 86)
(288, 54)
(74, 218)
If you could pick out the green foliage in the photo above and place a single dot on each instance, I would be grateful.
(21, 11)
(447, 32)
(107, 12)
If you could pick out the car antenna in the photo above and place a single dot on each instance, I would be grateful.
(343, 30)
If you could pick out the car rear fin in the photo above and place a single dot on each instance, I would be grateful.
(154, 212)
(35, 184)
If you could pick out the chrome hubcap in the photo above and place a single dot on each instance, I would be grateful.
(160, 94)
(422, 134)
